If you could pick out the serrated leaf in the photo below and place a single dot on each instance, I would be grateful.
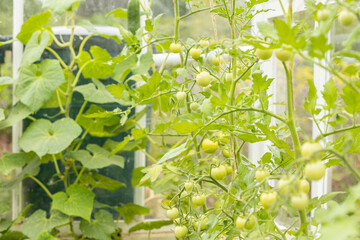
(96, 157)
(351, 99)
(98, 126)
(266, 158)
(38, 222)
(33, 24)
(330, 93)
(248, 137)
(9, 162)
(260, 82)
(267, 30)
(60, 6)
(38, 82)
(150, 225)
(146, 61)
(130, 210)
(319, 46)
(310, 102)
(173, 153)
(78, 201)
(100, 228)
(44, 137)
(35, 47)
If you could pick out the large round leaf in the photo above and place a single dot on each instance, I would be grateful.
(44, 137)
(38, 82)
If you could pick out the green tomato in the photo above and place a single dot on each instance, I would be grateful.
(195, 53)
(194, 106)
(229, 169)
(203, 79)
(218, 173)
(203, 220)
(308, 148)
(181, 96)
(268, 199)
(189, 185)
(204, 43)
(198, 199)
(304, 186)
(184, 194)
(314, 171)
(261, 174)
(175, 47)
(217, 60)
(264, 54)
(247, 223)
(284, 185)
(172, 213)
(181, 231)
(223, 137)
(228, 77)
(300, 201)
(226, 153)
(283, 55)
(323, 14)
(346, 18)
(209, 146)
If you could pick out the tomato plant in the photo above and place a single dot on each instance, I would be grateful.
(206, 112)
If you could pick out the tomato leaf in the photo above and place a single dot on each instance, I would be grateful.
(129, 211)
(173, 153)
(151, 225)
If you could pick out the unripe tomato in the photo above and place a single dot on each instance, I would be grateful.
(198, 199)
(323, 14)
(203, 221)
(189, 185)
(194, 106)
(283, 55)
(226, 153)
(209, 146)
(181, 96)
(228, 77)
(175, 47)
(195, 53)
(314, 171)
(264, 54)
(304, 186)
(308, 148)
(206, 107)
(204, 43)
(229, 169)
(247, 223)
(217, 60)
(300, 201)
(184, 194)
(284, 185)
(261, 174)
(346, 18)
(172, 213)
(181, 231)
(268, 199)
(223, 137)
(203, 79)
(218, 173)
